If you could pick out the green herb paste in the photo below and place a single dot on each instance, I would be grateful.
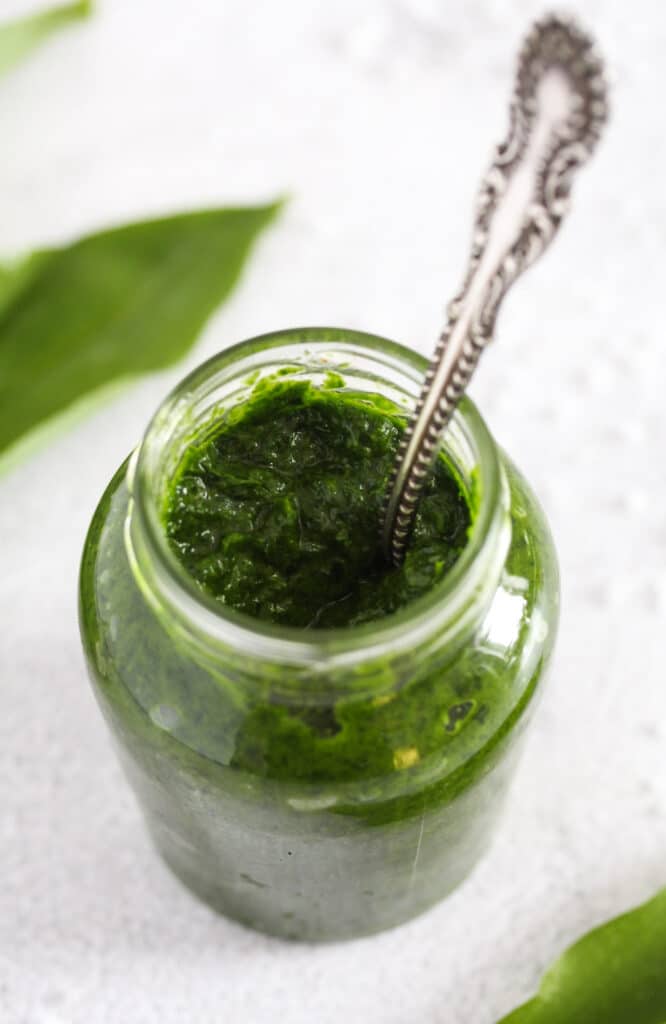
(276, 513)
(325, 800)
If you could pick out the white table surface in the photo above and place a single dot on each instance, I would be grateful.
(377, 118)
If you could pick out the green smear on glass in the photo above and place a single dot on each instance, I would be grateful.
(614, 975)
(110, 307)
(18, 38)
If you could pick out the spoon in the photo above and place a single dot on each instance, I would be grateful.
(558, 110)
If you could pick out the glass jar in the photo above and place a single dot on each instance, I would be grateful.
(318, 784)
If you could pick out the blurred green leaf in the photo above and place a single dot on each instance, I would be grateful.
(18, 37)
(112, 306)
(614, 975)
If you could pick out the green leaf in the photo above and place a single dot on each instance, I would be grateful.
(614, 975)
(112, 306)
(18, 37)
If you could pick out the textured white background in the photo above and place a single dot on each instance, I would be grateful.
(377, 118)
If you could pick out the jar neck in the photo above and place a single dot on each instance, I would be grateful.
(446, 615)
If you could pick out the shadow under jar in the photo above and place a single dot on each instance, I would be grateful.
(416, 717)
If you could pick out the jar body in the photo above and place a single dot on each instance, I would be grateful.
(324, 796)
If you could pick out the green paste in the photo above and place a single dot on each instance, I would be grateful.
(276, 513)
(307, 816)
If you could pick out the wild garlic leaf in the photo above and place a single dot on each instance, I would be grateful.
(614, 975)
(19, 37)
(112, 306)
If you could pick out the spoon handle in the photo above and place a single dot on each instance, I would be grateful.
(554, 47)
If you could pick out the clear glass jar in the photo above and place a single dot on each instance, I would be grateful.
(248, 744)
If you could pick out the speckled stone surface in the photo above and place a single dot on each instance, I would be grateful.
(377, 119)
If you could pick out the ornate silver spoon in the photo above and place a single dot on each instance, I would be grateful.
(522, 202)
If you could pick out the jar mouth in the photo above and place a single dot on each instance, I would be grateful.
(449, 605)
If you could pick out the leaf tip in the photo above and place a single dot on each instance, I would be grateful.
(275, 208)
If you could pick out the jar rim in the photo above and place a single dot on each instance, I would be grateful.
(217, 626)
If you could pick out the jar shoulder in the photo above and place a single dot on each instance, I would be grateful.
(531, 566)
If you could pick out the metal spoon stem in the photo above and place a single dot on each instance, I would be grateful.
(522, 201)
